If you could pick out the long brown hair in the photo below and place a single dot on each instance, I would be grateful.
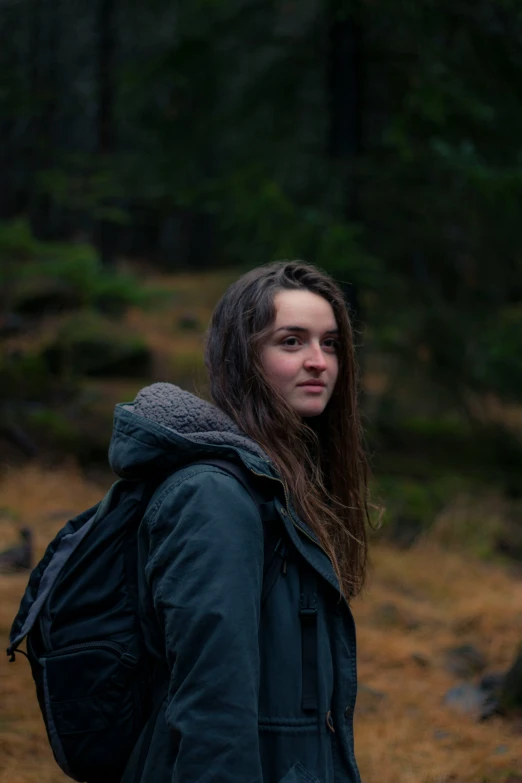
(321, 460)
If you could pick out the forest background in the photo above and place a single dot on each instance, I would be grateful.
(150, 153)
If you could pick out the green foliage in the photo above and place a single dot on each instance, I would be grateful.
(260, 216)
(40, 384)
(460, 355)
(90, 345)
(53, 427)
(497, 354)
(445, 429)
(41, 275)
(411, 506)
(86, 185)
(452, 510)
(16, 242)
(24, 376)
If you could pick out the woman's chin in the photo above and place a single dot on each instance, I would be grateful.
(310, 410)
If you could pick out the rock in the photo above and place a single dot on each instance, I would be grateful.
(503, 690)
(491, 686)
(511, 691)
(368, 700)
(465, 661)
(480, 701)
(491, 707)
(492, 682)
(466, 698)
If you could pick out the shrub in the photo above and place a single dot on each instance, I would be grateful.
(41, 277)
(92, 345)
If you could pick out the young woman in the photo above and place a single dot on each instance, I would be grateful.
(255, 691)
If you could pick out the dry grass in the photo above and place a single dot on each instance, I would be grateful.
(177, 352)
(439, 599)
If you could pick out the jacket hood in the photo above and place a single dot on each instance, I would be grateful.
(166, 427)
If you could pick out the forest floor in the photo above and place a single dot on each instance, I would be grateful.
(418, 603)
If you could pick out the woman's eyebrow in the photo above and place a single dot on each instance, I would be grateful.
(302, 329)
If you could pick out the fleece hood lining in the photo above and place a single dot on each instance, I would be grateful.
(195, 419)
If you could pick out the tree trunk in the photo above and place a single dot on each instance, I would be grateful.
(9, 58)
(345, 88)
(38, 74)
(345, 85)
(106, 53)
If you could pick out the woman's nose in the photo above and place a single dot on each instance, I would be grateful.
(316, 358)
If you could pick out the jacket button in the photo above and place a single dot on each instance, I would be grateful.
(348, 712)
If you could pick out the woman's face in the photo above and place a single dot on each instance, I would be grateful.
(299, 355)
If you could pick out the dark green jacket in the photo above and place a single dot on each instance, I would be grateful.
(232, 711)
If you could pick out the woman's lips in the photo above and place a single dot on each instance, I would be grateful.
(312, 386)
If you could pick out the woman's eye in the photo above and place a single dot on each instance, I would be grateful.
(332, 344)
(291, 342)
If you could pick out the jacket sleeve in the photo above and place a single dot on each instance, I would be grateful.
(205, 570)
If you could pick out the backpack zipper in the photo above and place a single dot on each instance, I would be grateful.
(86, 646)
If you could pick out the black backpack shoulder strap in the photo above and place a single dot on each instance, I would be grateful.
(274, 548)
(308, 616)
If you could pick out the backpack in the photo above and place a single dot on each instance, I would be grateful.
(95, 683)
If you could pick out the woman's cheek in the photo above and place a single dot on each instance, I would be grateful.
(289, 368)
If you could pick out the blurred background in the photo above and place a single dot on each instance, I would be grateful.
(152, 152)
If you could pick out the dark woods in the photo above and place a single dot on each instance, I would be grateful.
(208, 132)
(379, 141)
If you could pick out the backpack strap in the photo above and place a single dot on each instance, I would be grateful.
(274, 547)
(308, 616)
